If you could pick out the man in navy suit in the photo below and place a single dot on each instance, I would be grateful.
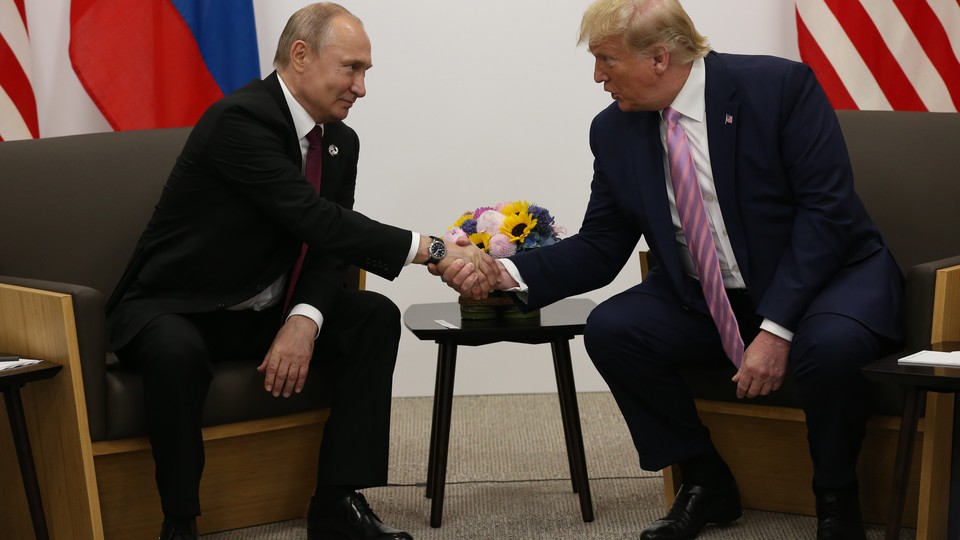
(813, 288)
(215, 270)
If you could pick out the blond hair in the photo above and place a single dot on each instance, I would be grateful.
(645, 25)
(312, 24)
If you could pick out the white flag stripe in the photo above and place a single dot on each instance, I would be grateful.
(14, 31)
(12, 125)
(840, 52)
(913, 60)
(948, 11)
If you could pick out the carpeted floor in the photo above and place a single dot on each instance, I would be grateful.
(508, 478)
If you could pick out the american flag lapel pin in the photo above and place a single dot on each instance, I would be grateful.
(728, 119)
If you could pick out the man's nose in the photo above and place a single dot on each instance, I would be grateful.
(360, 86)
(598, 75)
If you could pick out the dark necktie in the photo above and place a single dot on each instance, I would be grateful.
(311, 171)
(693, 220)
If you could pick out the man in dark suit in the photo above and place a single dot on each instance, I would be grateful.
(240, 234)
(787, 273)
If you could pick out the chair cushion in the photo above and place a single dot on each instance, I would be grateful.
(236, 394)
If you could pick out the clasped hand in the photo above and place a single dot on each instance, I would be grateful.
(467, 269)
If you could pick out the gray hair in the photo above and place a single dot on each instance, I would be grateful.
(312, 24)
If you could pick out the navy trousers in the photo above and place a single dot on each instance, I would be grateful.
(639, 343)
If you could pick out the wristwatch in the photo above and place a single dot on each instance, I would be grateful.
(436, 251)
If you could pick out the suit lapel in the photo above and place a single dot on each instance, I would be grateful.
(722, 117)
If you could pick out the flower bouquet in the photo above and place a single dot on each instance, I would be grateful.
(503, 230)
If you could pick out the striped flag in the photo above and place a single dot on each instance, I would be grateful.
(18, 105)
(901, 55)
(161, 63)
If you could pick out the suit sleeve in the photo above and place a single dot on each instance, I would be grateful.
(248, 151)
(589, 259)
(827, 211)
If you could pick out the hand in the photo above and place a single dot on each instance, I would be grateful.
(763, 367)
(287, 362)
(459, 276)
(480, 270)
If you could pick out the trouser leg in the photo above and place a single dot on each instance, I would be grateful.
(639, 342)
(360, 341)
(826, 357)
(173, 358)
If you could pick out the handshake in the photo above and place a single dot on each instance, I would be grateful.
(471, 272)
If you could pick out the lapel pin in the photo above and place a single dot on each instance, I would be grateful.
(333, 150)
(728, 119)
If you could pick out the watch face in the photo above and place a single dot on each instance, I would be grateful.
(437, 250)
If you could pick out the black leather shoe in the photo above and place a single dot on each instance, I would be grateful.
(838, 517)
(178, 529)
(694, 507)
(350, 519)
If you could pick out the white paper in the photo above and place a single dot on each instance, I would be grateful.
(13, 364)
(932, 358)
(445, 324)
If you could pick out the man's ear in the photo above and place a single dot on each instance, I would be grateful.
(298, 55)
(661, 60)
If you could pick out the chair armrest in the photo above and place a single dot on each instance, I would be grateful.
(919, 301)
(88, 312)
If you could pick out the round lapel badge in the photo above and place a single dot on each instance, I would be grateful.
(333, 150)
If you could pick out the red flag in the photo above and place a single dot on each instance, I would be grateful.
(140, 63)
(901, 55)
(18, 105)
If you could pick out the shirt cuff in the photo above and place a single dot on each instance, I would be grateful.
(414, 247)
(776, 330)
(310, 312)
(521, 289)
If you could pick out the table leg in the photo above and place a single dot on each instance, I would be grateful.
(567, 389)
(28, 471)
(437, 387)
(953, 512)
(443, 401)
(913, 402)
(565, 417)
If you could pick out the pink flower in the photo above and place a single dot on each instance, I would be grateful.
(452, 234)
(490, 222)
(559, 231)
(479, 211)
(501, 246)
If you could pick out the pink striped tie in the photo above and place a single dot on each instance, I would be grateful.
(693, 219)
(311, 171)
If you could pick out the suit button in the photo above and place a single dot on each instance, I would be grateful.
(221, 306)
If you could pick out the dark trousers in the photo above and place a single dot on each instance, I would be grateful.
(176, 353)
(639, 342)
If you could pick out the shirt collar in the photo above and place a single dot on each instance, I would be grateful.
(691, 101)
(302, 121)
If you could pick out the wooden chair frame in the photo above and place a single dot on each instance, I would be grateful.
(106, 489)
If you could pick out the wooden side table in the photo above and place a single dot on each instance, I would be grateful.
(917, 381)
(10, 383)
(557, 325)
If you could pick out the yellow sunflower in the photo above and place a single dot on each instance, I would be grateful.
(461, 219)
(481, 240)
(514, 208)
(518, 226)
